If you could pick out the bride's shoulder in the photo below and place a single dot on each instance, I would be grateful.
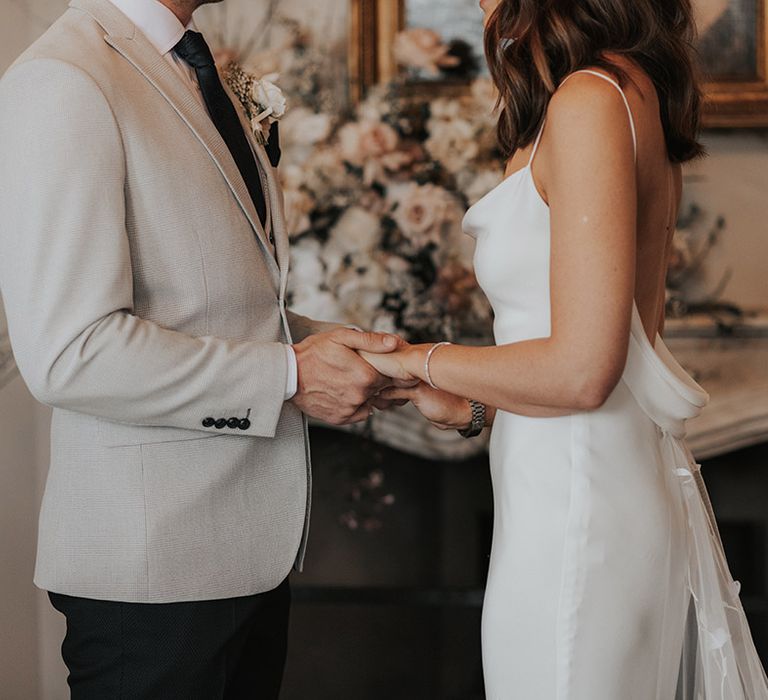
(586, 89)
(586, 103)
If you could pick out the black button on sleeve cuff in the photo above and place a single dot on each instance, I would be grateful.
(233, 423)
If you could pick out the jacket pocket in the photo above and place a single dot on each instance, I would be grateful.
(122, 435)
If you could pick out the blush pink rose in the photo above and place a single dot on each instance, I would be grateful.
(361, 141)
(422, 213)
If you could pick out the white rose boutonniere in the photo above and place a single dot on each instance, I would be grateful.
(263, 101)
(269, 100)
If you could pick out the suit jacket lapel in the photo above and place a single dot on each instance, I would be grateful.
(122, 35)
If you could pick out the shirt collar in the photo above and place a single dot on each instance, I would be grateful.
(155, 21)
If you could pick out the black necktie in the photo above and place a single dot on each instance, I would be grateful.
(194, 50)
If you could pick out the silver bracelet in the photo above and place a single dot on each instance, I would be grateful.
(426, 362)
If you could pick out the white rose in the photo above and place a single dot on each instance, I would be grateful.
(307, 272)
(375, 106)
(356, 231)
(322, 306)
(270, 97)
(333, 259)
(359, 287)
(305, 128)
(452, 143)
(445, 108)
(361, 274)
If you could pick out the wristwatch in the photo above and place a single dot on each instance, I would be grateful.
(478, 420)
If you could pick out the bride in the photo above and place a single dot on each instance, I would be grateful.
(607, 578)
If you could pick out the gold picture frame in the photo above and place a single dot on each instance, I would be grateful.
(375, 23)
(374, 26)
(736, 103)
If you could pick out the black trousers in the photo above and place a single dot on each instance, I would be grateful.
(210, 650)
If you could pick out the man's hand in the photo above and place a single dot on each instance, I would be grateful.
(335, 384)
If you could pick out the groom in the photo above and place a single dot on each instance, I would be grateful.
(143, 263)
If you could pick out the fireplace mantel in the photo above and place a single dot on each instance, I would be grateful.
(734, 370)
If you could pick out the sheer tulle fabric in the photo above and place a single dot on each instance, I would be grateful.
(719, 659)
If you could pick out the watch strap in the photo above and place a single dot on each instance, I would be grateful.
(478, 420)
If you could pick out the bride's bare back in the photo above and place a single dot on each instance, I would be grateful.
(659, 186)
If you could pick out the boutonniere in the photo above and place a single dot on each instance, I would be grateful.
(263, 101)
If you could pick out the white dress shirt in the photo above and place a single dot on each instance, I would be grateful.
(164, 30)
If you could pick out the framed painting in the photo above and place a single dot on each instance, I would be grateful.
(732, 46)
(376, 23)
(734, 58)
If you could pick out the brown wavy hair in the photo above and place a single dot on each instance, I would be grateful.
(532, 45)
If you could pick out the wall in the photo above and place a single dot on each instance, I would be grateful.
(732, 182)
(18, 503)
(30, 630)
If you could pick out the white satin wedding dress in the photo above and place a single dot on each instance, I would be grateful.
(607, 578)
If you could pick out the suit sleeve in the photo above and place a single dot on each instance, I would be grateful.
(67, 283)
(302, 327)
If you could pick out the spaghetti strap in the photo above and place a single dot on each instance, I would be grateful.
(536, 143)
(623, 97)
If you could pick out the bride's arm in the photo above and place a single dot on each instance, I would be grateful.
(586, 167)
(450, 412)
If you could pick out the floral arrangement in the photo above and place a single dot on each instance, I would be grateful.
(375, 197)
(696, 236)
(375, 200)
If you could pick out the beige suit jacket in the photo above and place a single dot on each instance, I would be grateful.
(143, 297)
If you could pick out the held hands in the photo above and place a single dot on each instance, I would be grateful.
(344, 372)
(335, 384)
(445, 411)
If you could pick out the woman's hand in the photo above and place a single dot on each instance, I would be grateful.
(392, 364)
(443, 410)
